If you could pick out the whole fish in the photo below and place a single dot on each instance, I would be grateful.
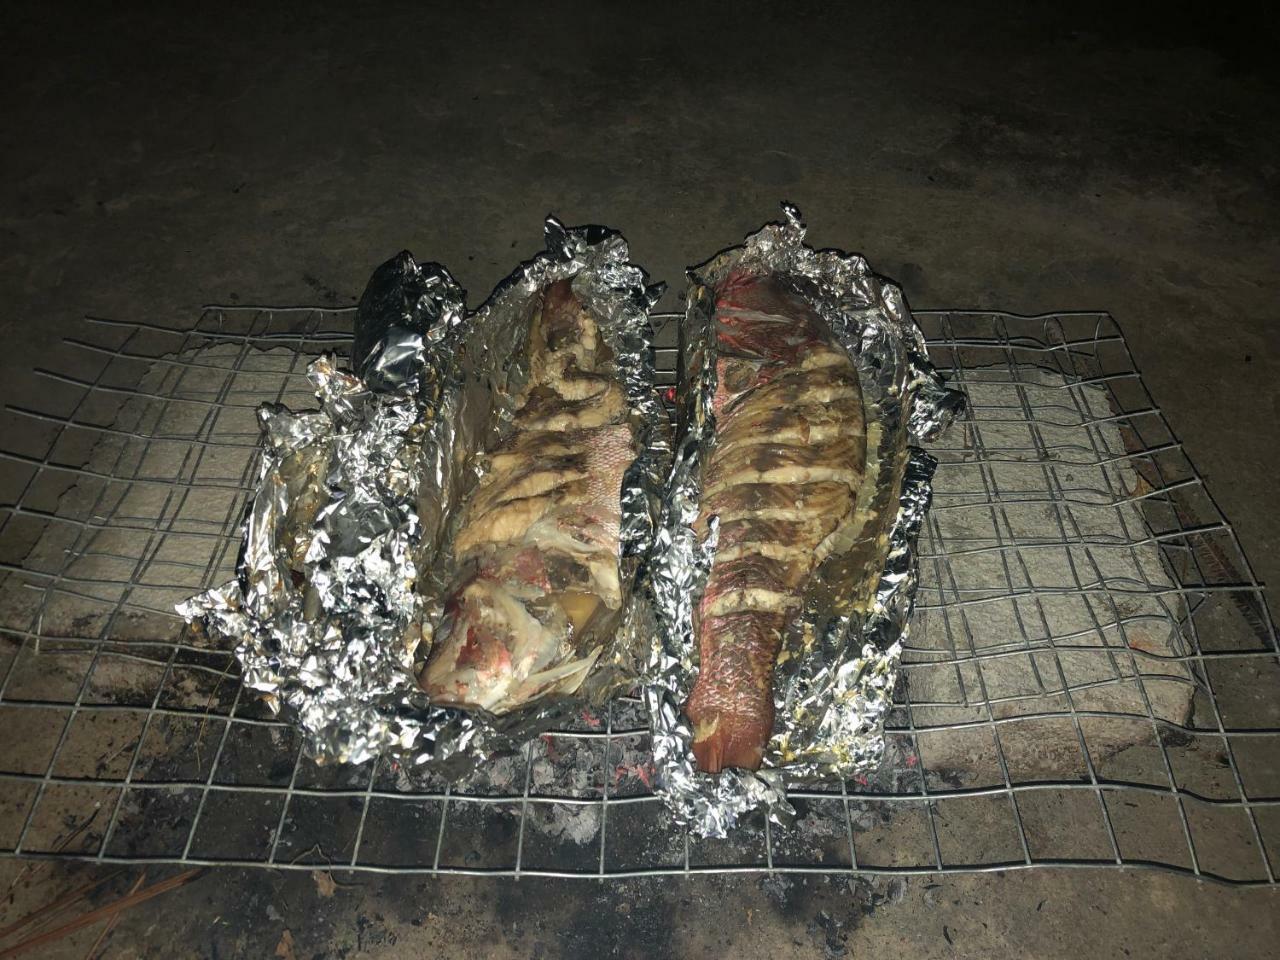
(784, 477)
(538, 588)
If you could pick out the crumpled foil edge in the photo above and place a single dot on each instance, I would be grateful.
(833, 698)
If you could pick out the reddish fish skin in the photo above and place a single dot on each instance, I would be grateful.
(775, 356)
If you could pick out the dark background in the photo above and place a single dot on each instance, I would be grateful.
(1025, 157)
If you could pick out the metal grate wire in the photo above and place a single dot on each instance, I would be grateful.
(1090, 679)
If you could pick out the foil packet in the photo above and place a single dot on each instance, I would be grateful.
(834, 681)
(346, 549)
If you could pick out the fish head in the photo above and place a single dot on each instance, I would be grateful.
(501, 641)
(759, 319)
(472, 661)
(487, 639)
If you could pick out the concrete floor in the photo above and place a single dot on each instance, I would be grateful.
(1064, 161)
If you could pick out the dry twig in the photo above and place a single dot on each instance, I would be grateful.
(93, 916)
(111, 924)
(68, 898)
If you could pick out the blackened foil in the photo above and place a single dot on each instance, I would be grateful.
(400, 304)
(833, 686)
(346, 540)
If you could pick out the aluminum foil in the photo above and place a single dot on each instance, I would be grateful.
(833, 686)
(346, 540)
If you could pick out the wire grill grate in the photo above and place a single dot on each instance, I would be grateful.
(1090, 678)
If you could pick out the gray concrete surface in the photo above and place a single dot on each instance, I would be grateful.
(1060, 159)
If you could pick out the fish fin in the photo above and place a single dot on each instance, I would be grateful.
(565, 678)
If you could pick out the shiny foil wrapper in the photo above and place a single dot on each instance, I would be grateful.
(833, 686)
(346, 549)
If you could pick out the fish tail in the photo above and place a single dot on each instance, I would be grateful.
(722, 743)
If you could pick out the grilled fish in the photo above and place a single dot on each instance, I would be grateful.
(538, 587)
(783, 477)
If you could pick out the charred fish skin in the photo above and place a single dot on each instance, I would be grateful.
(783, 476)
(537, 550)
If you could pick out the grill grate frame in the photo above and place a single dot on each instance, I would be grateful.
(133, 743)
